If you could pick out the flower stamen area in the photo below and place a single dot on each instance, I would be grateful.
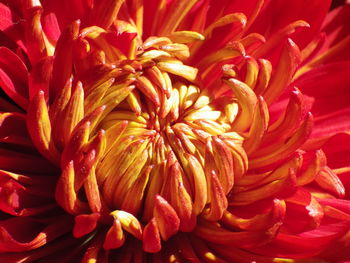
(145, 146)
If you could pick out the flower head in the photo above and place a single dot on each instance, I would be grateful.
(174, 131)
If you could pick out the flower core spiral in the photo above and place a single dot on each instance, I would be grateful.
(145, 138)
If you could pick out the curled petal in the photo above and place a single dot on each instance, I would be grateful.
(311, 167)
(22, 234)
(247, 100)
(259, 221)
(281, 186)
(258, 128)
(292, 144)
(212, 232)
(328, 180)
(288, 63)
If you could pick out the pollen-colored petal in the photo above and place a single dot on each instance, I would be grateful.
(290, 59)
(128, 222)
(258, 128)
(106, 12)
(146, 87)
(185, 36)
(247, 100)
(184, 71)
(177, 12)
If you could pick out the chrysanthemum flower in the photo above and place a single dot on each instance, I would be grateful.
(174, 131)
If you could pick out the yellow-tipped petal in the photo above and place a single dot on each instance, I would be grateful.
(128, 222)
(185, 36)
(184, 71)
(247, 101)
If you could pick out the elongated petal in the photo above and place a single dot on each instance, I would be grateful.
(39, 127)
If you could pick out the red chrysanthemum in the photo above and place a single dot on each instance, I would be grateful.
(174, 131)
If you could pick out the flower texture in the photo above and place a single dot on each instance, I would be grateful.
(174, 131)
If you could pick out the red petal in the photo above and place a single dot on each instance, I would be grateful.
(51, 27)
(151, 238)
(23, 199)
(13, 129)
(337, 26)
(279, 13)
(62, 65)
(342, 205)
(115, 237)
(14, 77)
(331, 107)
(216, 234)
(5, 17)
(122, 41)
(289, 60)
(316, 83)
(66, 195)
(304, 245)
(40, 76)
(15, 161)
(167, 220)
(84, 224)
(23, 234)
(303, 212)
(105, 13)
(337, 149)
(55, 247)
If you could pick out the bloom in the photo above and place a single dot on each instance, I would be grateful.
(174, 131)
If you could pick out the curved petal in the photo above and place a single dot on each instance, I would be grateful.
(22, 234)
(331, 106)
(14, 77)
(279, 13)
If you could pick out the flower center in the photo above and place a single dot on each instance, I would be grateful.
(165, 142)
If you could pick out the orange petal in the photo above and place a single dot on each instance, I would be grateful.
(166, 217)
(39, 127)
(151, 238)
(115, 237)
